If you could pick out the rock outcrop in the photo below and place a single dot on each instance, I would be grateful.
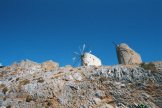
(90, 60)
(118, 86)
(49, 65)
(126, 55)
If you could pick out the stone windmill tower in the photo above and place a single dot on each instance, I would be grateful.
(126, 55)
(86, 58)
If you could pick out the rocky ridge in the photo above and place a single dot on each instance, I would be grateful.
(28, 84)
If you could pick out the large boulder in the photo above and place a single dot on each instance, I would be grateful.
(126, 55)
(90, 60)
(49, 66)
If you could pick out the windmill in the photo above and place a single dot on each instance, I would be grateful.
(78, 57)
(85, 58)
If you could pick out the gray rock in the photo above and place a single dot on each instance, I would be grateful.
(106, 106)
(77, 76)
(90, 87)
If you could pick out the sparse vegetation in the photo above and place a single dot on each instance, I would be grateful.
(5, 90)
(1, 74)
(2, 86)
(79, 69)
(4, 98)
(40, 80)
(24, 82)
(68, 73)
(17, 79)
(49, 103)
(29, 98)
(9, 106)
(142, 106)
(149, 66)
(71, 70)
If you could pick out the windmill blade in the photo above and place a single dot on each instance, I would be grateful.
(76, 61)
(79, 62)
(74, 58)
(83, 48)
(115, 44)
(80, 50)
(76, 53)
(88, 49)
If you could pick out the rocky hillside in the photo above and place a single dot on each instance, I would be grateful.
(31, 85)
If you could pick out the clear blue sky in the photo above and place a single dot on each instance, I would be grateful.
(53, 29)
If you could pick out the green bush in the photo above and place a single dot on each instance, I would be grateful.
(142, 106)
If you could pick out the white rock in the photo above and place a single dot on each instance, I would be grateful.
(68, 77)
(97, 100)
(77, 76)
(90, 60)
(106, 106)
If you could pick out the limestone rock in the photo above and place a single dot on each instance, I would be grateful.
(127, 56)
(49, 65)
(118, 86)
(97, 100)
(68, 77)
(23, 67)
(77, 76)
(90, 60)
(106, 106)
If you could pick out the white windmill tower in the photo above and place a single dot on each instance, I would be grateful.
(86, 58)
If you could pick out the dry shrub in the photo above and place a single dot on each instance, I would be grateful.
(24, 82)
(149, 66)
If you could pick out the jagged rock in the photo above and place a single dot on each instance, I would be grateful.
(126, 55)
(24, 66)
(77, 76)
(49, 65)
(68, 77)
(106, 106)
(97, 100)
(118, 86)
(90, 60)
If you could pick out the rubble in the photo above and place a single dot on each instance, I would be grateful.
(27, 85)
